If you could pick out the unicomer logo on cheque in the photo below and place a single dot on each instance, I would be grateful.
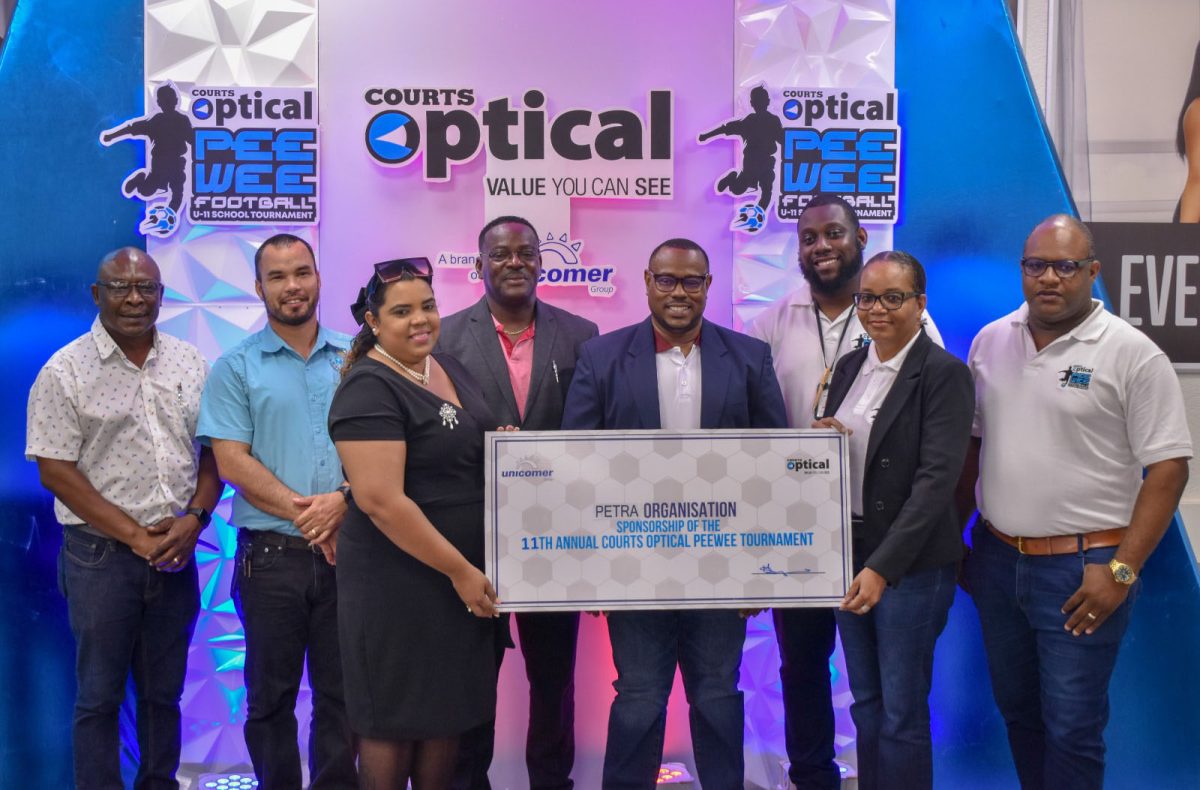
(530, 467)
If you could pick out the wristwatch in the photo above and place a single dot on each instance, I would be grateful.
(202, 515)
(1122, 573)
(344, 490)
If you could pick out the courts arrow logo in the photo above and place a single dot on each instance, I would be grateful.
(393, 137)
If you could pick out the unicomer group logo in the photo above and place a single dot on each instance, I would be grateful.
(232, 156)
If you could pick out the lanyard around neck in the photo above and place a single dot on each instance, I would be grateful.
(823, 386)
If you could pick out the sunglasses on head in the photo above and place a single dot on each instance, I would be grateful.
(390, 271)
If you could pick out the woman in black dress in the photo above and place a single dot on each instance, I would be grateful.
(414, 609)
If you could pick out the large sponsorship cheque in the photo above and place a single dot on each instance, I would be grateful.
(589, 520)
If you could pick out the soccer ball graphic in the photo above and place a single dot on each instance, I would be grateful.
(750, 219)
(160, 221)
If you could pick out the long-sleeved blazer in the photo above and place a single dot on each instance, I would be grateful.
(914, 457)
(470, 336)
(616, 382)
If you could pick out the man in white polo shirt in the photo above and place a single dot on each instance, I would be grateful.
(1071, 404)
(808, 332)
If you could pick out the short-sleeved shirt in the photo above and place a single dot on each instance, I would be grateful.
(129, 430)
(1067, 430)
(443, 465)
(802, 348)
(264, 394)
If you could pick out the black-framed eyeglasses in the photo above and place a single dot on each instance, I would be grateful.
(892, 300)
(525, 255)
(1065, 268)
(665, 283)
(121, 288)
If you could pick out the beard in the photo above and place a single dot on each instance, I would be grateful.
(293, 319)
(846, 272)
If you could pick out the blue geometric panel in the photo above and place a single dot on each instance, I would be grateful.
(979, 172)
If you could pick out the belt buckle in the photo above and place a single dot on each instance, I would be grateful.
(1020, 544)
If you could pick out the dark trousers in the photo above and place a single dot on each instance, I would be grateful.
(1051, 686)
(548, 645)
(287, 600)
(127, 618)
(706, 645)
(806, 639)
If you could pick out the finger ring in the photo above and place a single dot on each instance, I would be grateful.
(1091, 616)
(864, 609)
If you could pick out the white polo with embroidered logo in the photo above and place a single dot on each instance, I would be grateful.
(1066, 431)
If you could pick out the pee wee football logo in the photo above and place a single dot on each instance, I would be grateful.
(228, 156)
(845, 143)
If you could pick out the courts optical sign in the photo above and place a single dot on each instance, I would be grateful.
(537, 161)
(437, 122)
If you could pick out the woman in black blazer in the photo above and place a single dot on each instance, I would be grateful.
(907, 407)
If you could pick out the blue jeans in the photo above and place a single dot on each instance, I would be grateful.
(287, 601)
(1051, 687)
(889, 659)
(707, 645)
(806, 640)
(127, 618)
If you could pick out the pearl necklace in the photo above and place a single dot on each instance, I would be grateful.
(422, 378)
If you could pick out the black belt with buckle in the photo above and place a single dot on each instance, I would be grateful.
(277, 539)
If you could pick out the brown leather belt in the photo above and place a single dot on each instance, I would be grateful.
(1061, 544)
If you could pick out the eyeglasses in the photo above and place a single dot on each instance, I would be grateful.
(892, 300)
(120, 288)
(1065, 268)
(525, 255)
(666, 283)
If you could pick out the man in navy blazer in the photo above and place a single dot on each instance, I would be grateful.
(675, 371)
(522, 352)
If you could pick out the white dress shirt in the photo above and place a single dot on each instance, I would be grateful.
(129, 430)
(679, 388)
(860, 406)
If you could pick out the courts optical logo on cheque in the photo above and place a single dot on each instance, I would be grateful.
(809, 466)
(532, 154)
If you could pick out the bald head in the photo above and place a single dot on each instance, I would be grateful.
(1067, 231)
(127, 259)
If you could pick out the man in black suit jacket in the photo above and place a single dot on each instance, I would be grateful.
(522, 353)
(675, 371)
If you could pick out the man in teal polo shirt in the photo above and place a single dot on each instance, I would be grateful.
(264, 411)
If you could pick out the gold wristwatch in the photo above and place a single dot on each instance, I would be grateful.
(1122, 573)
